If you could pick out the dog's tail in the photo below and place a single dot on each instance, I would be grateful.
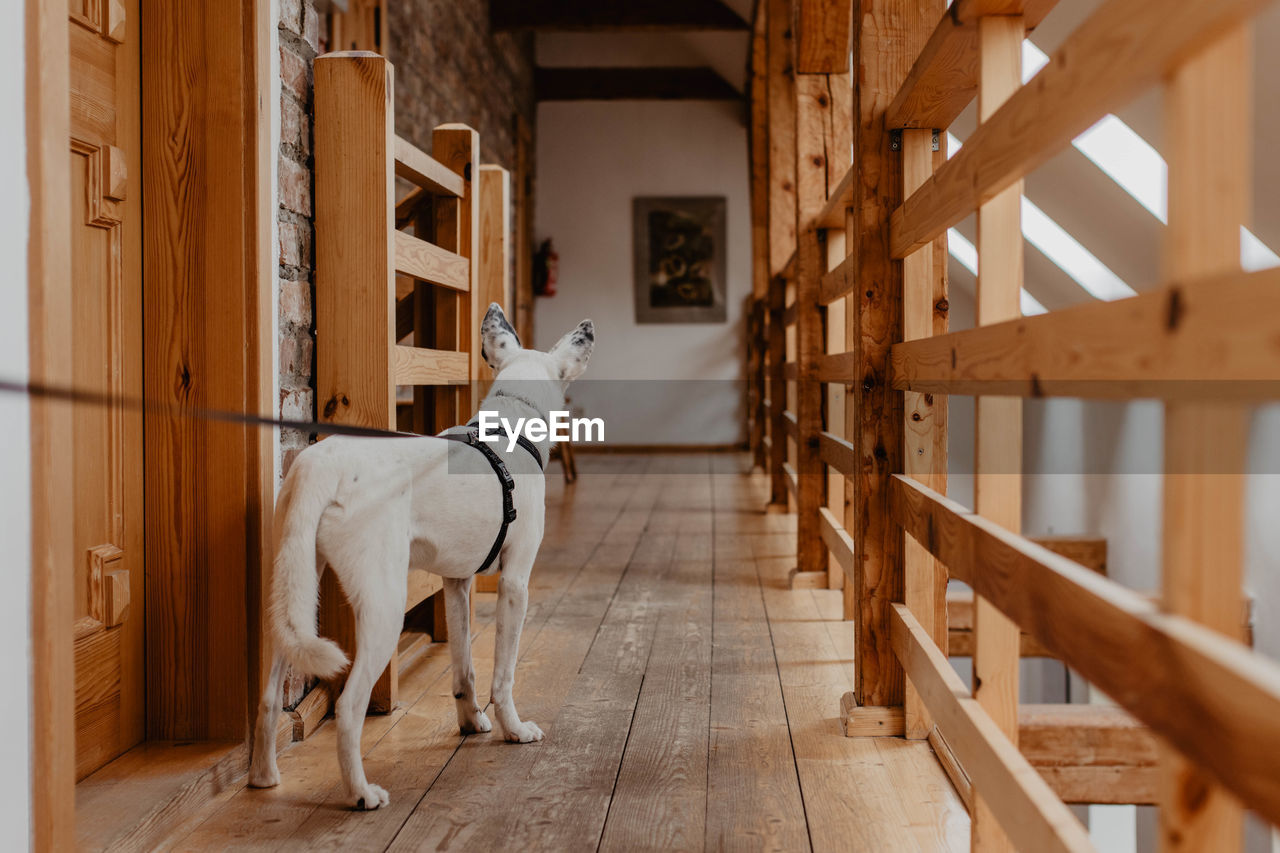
(295, 590)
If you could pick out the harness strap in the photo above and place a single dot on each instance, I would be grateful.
(471, 438)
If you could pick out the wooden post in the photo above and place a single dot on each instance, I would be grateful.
(494, 249)
(1208, 136)
(458, 314)
(924, 313)
(835, 395)
(777, 394)
(782, 140)
(888, 35)
(355, 257)
(998, 420)
(813, 115)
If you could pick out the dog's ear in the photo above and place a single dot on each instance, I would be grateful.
(574, 349)
(498, 340)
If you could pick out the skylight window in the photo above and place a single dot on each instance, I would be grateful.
(1058, 246)
(1138, 168)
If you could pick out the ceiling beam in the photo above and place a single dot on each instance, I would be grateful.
(589, 15)
(632, 84)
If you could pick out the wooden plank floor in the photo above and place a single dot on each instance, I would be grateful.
(689, 698)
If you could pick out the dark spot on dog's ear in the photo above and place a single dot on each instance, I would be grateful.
(588, 334)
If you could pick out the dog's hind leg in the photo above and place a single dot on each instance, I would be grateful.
(471, 718)
(513, 601)
(262, 768)
(378, 626)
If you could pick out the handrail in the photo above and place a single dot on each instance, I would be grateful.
(423, 170)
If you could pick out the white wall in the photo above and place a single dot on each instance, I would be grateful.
(593, 158)
(15, 450)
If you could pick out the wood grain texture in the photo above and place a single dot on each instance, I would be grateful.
(758, 143)
(887, 37)
(49, 303)
(822, 45)
(782, 137)
(204, 349)
(1205, 443)
(424, 171)
(997, 482)
(1118, 52)
(420, 366)
(1199, 337)
(1028, 810)
(430, 263)
(777, 393)
(1193, 680)
(944, 78)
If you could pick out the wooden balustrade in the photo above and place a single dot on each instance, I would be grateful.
(397, 310)
(1197, 719)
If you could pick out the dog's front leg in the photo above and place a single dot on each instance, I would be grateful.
(471, 718)
(513, 600)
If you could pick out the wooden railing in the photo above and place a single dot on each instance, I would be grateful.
(1197, 720)
(401, 285)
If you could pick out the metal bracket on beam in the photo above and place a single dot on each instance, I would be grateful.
(895, 140)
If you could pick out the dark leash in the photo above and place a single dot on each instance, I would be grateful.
(470, 438)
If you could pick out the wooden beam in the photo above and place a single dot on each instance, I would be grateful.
(652, 83)
(424, 171)
(924, 285)
(782, 135)
(837, 540)
(1208, 140)
(838, 453)
(887, 36)
(1122, 49)
(824, 32)
(1018, 796)
(430, 263)
(777, 395)
(592, 15)
(1211, 697)
(944, 78)
(839, 280)
(997, 482)
(758, 95)
(1090, 753)
(421, 366)
(1207, 337)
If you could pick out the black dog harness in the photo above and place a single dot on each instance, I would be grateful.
(471, 438)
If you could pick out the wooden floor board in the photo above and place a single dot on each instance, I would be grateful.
(688, 695)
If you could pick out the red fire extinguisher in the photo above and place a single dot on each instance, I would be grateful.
(546, 269)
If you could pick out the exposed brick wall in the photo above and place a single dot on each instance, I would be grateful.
(299, 43)
(451, 68)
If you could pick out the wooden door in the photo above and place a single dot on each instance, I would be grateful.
(106, 342)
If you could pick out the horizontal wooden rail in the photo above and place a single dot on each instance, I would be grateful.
(1210, 697)
(419, 366)
(944, 78)
(793, 481)
(1123, 48)
(1211, 338)
(789, 423)
(1028, 810)
(419, 168)
(837, 540)
(838, 453)
(838, 282)
(430, 263)
(840, 200)
(838, 367)
(1090, 753)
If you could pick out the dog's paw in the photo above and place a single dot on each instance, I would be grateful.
(526, 732)
(374, 797)
(477, 724)
(259, 778)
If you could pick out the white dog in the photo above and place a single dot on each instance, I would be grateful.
(374, 508)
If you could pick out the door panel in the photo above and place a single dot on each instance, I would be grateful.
(106, 334)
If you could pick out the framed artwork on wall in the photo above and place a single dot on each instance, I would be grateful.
(679, 259)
